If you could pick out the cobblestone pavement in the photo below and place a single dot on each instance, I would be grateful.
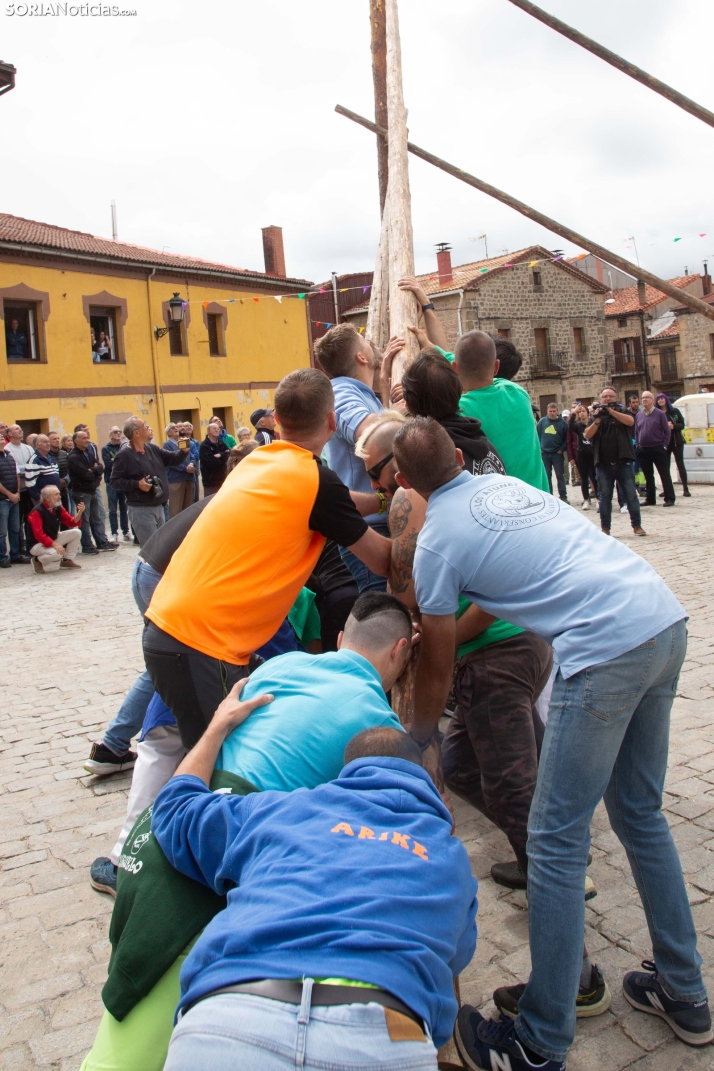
(71, 644)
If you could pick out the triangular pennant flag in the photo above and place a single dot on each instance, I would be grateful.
(256, 299)
(322, 292)
(581, 256)
(677, 239)
(557, 258)
(482, 270)
(231, 301)
(506, 265)
(361, 330)
(301, 296)
(533, 264)
(344, 290)
(328, 326)
(365, 289)
(280, 299)
(703, 235)
(205, 304)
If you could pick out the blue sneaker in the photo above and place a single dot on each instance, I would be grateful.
(690, 1020)
(103, 875)
(493, 1045)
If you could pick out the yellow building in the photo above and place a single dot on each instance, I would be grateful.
(79, 341)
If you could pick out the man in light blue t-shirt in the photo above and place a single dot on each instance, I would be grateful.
(619, 640)
(352, 365)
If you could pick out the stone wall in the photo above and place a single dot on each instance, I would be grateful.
(696, 345)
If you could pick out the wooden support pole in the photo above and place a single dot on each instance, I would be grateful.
(614, 60)
(681, 296)
(402, 303)
(378, 27)
(378, 314)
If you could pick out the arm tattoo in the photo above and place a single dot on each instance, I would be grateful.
(403, 551)
(399, 514)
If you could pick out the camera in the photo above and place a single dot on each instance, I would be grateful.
(156, 484)
(602, 410)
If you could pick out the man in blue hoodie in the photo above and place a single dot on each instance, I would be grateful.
(340, 938)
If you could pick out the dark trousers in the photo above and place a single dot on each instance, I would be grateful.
(27, 504)
(586, 467)
(334, 609)
(678, 452)
(651, 458)
(622, 474)
(117, 500)
(555, 463)
(192, 684)
(92, 519)
(490, 749)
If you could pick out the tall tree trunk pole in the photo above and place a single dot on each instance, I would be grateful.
(682, 296)
(614, 60)
(378, 314)
(378, 27)
(402, 303)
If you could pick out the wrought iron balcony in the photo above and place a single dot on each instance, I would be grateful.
(626, 363)
(548, 362)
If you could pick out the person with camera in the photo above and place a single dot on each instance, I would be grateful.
(139, 470)
(610, 431)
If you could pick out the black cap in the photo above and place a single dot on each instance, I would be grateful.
(258, 415)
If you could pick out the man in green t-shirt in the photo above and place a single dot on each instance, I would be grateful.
(490, 749)
(503, 407)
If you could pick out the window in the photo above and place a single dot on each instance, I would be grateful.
(537, 279)
(504, 332)
(541, 341)
(216, 347)
(579, 341)
(21, 334)
(711, 347)
(622, 322)
(34, 427)
(668, 363)
(177, 340)
(105, 334)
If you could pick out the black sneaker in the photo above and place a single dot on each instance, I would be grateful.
(690, 1020)
(492, 1044)
(89, 550)
(24, 559)
(102, 761)
(593, 999)
(103, 875)
(512, 877)
(6, 564)
(109, 546)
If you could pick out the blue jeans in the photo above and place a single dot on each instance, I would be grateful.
(364, 578)
(92, 518)
(9, 528)
(623, 474)
(555, 463)
(236, 1030)
(131, 714)
(607, 735)
(117, 499)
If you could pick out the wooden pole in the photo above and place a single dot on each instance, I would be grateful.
(378, 27)
(681, 296)
(614, 60)
(378, 314)
(402, 303)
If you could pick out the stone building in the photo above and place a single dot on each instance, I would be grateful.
(550, 310)
(649, 348)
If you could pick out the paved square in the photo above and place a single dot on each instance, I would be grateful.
(71, 645)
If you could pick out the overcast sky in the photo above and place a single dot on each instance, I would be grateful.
(207, 120)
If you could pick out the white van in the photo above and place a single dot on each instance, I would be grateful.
(698, 413)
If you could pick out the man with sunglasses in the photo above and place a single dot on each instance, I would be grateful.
(352, 364)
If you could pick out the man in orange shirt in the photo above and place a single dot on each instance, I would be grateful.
(234, 578)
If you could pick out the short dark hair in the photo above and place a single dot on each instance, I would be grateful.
(431, 386)
(303, 399)
(510, 360)
(336, 350)
(383, 742)
(475, 354)
(362, 625)
(81, 427)
(425, 454)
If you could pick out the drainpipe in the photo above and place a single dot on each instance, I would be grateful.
(335, 298)
(645, 362)
(155, 358)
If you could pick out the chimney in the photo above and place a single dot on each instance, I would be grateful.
(443, 261)
(706, 279)
(641, 292)
(273, 251)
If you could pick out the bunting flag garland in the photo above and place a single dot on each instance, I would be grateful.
(533, 263)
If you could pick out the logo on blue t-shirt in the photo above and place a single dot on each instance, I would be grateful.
(507, 506)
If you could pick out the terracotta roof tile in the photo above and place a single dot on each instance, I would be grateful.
(15, 229)
(627, 300)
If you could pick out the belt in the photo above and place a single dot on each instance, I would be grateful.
(322, 995)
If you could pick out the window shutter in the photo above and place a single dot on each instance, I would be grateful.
(618, 347)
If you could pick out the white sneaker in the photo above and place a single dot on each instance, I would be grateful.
(586, 504)
(623, 509)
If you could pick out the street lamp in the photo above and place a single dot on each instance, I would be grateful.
(176, 307)
(7, 77)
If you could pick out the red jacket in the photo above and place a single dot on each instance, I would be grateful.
(36, 522)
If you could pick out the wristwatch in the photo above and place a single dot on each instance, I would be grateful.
(429, 305)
